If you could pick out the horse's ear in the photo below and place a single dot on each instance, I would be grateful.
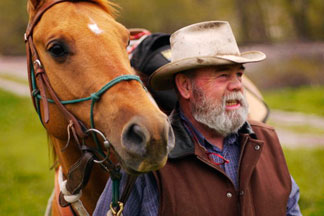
(33, 4)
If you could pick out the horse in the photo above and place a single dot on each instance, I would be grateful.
(89, 99)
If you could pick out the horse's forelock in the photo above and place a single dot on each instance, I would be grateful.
(108, 6)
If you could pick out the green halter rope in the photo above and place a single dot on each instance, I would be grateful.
(93, 97)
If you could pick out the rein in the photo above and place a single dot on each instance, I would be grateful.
(39, 85)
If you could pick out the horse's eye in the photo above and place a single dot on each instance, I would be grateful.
(58, 50)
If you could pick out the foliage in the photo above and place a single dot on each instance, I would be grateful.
(303, 99)
(25, 179)
(13, 18)
(168, 15)
(306, 166)
(290, 69)
(253, 21)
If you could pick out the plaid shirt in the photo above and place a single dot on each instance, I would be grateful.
(144, 200)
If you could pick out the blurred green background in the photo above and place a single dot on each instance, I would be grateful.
(290, 32)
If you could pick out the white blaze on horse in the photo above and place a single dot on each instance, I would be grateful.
(89, 99)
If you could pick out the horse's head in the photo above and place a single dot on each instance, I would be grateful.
(82, 48)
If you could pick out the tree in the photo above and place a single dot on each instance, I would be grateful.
(298, 10)
(252, 21)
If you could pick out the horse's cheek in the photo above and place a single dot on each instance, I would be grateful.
(57, 124)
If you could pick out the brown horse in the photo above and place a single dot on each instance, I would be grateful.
(75, 49)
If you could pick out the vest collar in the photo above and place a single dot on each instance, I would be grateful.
(184, 144)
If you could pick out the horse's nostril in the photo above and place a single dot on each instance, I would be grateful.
(135, 138)
(135, 134)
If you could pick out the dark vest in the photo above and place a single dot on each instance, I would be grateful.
(190, 185)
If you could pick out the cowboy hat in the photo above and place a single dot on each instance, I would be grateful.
(198, 45)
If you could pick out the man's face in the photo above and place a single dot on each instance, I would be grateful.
(217, 98)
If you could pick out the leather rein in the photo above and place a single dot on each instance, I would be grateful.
(39, 86)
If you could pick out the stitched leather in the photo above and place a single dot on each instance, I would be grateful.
(79, 173)
(43, 83)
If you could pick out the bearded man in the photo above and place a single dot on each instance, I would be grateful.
(221, 164)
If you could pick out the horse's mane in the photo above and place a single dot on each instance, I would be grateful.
(110, 7)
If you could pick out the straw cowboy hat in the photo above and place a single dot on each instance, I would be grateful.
(198, 45)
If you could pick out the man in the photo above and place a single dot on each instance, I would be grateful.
(222, 164)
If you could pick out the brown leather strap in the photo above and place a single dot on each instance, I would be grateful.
(68, 115)
(28, 55)
(79, 173)
(131, 179)
(62, 201)
(40, 11)
(41, 77)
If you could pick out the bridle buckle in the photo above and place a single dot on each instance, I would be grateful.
(38, 63)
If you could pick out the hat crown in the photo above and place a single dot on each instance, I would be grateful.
(213, 38)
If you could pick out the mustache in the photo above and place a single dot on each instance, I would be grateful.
(238, 96)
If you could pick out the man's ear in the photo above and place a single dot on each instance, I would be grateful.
(184, 86)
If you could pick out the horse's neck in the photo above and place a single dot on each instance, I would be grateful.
(98, 177)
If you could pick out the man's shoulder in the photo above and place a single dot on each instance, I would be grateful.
(264, 131)
(260, 125)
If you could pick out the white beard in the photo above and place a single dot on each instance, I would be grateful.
(214, 115)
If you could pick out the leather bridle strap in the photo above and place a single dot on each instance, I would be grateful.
(34, 64)
(40, 11)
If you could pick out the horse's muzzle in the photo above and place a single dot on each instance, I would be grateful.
(146, 148)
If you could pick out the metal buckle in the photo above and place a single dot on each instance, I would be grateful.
(106, 143)
(119, 212)
(38, 62)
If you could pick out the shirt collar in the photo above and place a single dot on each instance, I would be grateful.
(183, 138)
(231, 139)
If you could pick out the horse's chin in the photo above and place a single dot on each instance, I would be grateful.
(134, 167)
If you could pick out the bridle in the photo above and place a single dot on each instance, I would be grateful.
(39, 84)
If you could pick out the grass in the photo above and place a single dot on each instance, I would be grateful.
(25, 179)
(301, 129)
(13, 78)
(307, 168)
(305, 165)
(304, 99)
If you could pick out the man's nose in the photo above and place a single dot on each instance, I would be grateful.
(235, 84)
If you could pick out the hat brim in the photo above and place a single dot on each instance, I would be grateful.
(162, 78)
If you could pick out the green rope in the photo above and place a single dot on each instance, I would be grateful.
(94, 97)
(35, 93)
(115, 192)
